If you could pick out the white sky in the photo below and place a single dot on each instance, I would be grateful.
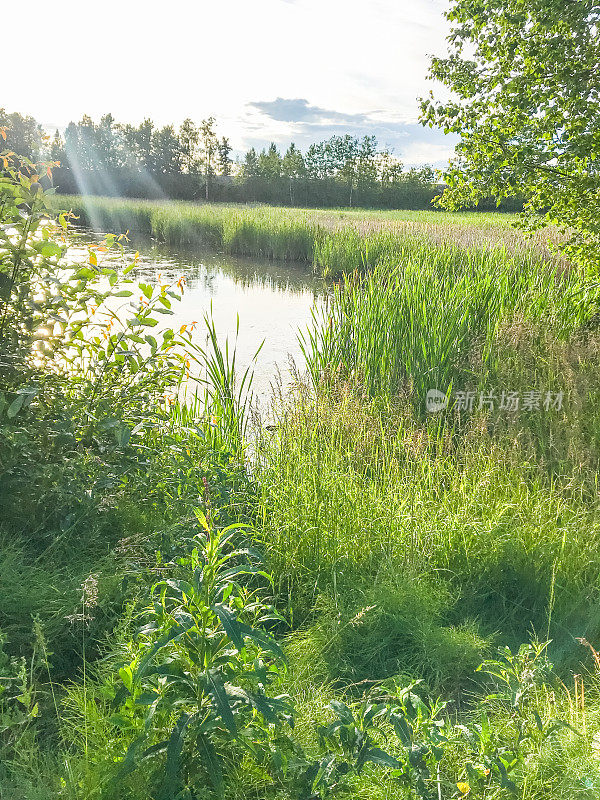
(313, 67)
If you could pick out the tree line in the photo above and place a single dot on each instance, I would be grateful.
(193, 162)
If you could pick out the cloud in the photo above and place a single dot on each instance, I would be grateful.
(299, 110)
(284, 120)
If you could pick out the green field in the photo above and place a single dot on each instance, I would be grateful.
(405, 547)
(333, 241)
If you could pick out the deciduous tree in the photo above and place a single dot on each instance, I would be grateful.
(524, 77)
(209, 143)
(166, 150)
(293, 168)
(23, 134)
(189, 136)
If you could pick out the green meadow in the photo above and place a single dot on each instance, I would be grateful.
(360, 599)
(334, 242)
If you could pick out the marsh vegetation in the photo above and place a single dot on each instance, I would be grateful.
(181, 619)
(333, 242)
(386, 588)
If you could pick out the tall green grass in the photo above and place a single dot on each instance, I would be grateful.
(225, 400)
(363, 500)
(365, 496)
(259, 232)
(425, 316)
(333, 244)
(408, 549)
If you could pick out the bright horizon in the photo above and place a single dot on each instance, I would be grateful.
(271, 70)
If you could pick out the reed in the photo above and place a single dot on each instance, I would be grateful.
(426, 316)
(334, 243)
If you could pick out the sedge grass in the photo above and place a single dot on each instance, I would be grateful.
(334, 243)
(425, 316)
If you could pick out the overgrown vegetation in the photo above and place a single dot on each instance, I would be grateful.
(181, 621)
(334, 243)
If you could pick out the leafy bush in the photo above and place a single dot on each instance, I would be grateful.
(205, 662)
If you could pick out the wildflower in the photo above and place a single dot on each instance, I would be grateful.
(357, 619)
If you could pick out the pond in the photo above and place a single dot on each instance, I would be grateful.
(273, 302)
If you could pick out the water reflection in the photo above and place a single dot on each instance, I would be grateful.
(273, 301)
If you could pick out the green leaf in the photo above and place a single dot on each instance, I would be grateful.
(221, 701)
(234, 629)
(15, 406)
(49, 249)
(171, 779)
(201, 519)
(126, 675)
(243, 570)
(171, 635)
(267, 706)
(342, 711)
(211, 760)
(376, 755)
(402, 729)
(122, 435)
(147, 321)
(146, 289)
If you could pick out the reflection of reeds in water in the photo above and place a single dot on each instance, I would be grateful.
(207, 266)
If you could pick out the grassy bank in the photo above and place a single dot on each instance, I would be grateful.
(409, 545)
(333, 242)
(148, 652)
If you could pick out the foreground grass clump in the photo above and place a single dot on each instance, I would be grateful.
(334, 243)
(356, 492)
(427, 315)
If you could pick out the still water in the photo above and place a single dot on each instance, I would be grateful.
(273, 302)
